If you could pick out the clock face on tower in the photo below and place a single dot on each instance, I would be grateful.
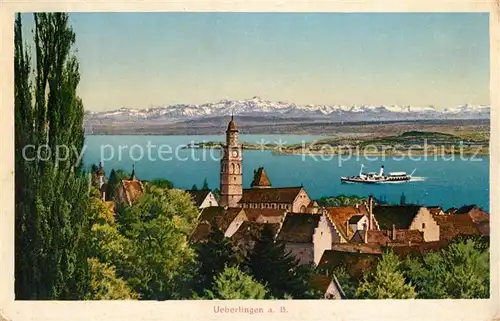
(235, 153)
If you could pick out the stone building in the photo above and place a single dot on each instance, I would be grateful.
(407, 217)
(231, 168)
(99, 181)
(261, 194)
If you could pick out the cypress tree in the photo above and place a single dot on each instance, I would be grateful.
(113, 181)
(205, 185)
(213, 256)
(273, 266)
(52, 194)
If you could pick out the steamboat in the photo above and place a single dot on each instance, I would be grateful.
(377, 178)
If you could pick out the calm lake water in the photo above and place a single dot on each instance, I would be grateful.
(444, 181)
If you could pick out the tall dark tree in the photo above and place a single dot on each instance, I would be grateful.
(205, 185)
(213, 257)
(194, 188)
(276, 268)
(113, 182)
(52, 193)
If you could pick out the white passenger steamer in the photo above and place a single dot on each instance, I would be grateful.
(377, 178)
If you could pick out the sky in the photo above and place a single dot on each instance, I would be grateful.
(140, 60)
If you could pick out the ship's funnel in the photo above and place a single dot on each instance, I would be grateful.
(381, 171)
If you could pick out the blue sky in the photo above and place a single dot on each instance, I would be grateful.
(139, 60)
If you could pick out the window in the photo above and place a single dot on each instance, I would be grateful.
(423, 225)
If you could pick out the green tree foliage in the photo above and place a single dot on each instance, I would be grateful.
(213, 257)
(272, 265)
(341, 200)
(387, 281)
(51, 194)
(205, 185)
(161, 259)
(106, 285)
(106, 244)
(163, 183)
(216, 193)
(460, 271)
(233, 284)
(349, 286)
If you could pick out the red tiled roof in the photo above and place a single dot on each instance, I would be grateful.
(198, 196)
(356, 264)
(340, 215)
(133, 190)
(298, 228)
(260, 178)
(252, 231)
(374, 236)
(434, 210)
(270, 195)
(201, 232)
(403, 250)
(254, 213)
(453, 225)
(213, 217)
(372, 248)
(405, 236)
(219, 216)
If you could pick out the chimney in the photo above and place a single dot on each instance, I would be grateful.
(393, 232)
(366, 235)
(370, 212)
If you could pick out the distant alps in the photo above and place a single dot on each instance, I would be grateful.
(263, 108)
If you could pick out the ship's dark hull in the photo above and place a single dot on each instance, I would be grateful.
(372, 181)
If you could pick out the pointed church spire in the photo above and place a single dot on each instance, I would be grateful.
(100, 169)
(132, 177)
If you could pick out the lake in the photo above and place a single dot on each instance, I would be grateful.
(448, 182)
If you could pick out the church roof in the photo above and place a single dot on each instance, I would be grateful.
(231, 127)
(270, 195)
(133, 190)
(260, 178)
(100, 170)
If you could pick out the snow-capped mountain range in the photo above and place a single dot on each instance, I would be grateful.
(259, 107)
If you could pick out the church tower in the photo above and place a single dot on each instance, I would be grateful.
(231, 174)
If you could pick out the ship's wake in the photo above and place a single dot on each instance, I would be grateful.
(418, 179)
